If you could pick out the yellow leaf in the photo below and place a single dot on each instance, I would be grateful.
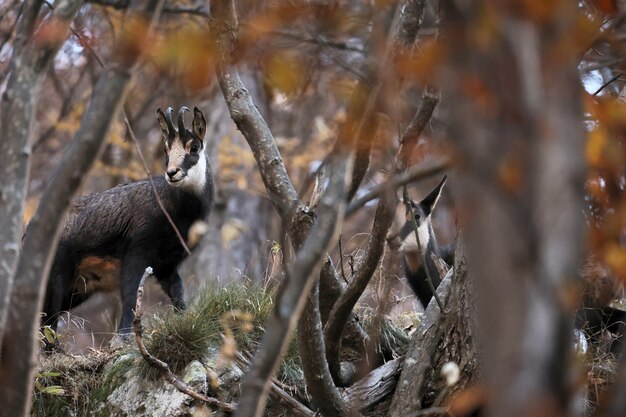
(596, 144)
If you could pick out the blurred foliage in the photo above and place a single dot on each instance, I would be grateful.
(303, 62)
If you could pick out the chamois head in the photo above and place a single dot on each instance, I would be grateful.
(186, 159)
(421, 212)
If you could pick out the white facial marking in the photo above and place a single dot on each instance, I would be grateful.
(176, 156)
(423, 232)
(196, 176)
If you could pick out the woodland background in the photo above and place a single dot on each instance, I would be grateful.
(521, 102)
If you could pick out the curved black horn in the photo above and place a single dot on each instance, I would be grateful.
(181, 119)
(168, 119)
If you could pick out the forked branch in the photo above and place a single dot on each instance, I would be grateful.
(310, 241)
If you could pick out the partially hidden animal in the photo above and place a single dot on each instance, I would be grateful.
(109, 238)
(420, 256)
(596, 315)
(602, 320)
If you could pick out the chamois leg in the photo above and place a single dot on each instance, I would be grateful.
(52, 306)
(50, 317)
(58, 292)
(173, 287)
(133, 267)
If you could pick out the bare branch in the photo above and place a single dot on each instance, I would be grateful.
(40, 241)
(67, 98)
(606, 84)
(124, 4)
(374, 386)
(365, 269)
(417, 172)
(163, 367)
(313, 353)
(318, 40)
(365, 140)
(382, 222)
(244, 113)
(430, 99)
(410, 24)
(300, 279)
(276, 391)
(28, 67)
(425, 341)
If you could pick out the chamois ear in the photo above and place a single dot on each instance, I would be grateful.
(199, 124)
(429, 202)
(165, 123)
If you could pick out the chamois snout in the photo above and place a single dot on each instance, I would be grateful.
(174, 174)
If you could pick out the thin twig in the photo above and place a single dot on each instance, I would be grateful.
(163, 367)
(154, 190)
(343, 273)
(416, 172)
(84, 43)
(281, 394)
(344, 46)
(606, 84)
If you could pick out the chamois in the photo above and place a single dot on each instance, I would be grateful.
(595, 315)
(114, 235)
(415, 252)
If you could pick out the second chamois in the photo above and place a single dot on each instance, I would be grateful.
(426, 249)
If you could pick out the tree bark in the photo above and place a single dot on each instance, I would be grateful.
(28, 68)
(520, 135)
(311, 341)
(441, 338)
(310, 242)
(20, 342)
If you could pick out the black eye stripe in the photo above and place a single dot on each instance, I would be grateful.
(189, 161)
(194, 142)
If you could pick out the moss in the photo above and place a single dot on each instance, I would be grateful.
(77, 376)
(177, 339)
(113, 374)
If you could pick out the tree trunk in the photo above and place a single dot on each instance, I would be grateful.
(19, 344)
(519, 134)
(439, 340)
(28, 67)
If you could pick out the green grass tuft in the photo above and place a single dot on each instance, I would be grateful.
(77, 378)
(178, 339)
